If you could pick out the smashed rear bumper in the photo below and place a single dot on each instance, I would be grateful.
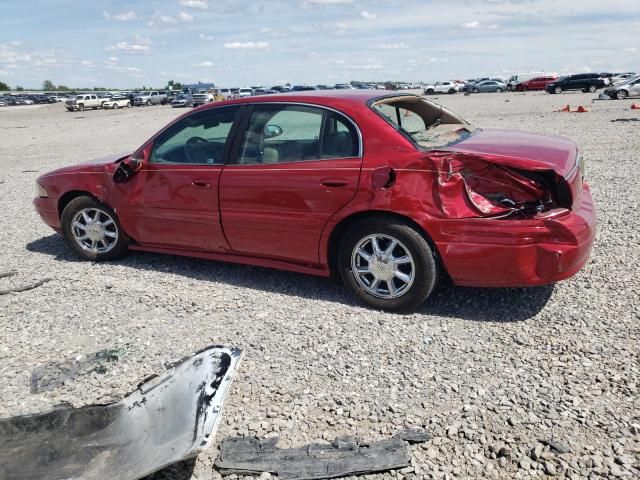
(517, 253)
(168, 418)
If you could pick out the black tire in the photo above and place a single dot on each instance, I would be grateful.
(81, 107)
(475, 90)
(592, 89)
(78, 204)
(451, 91)
(557, 90)
(498, 90)
(621, 94)
(128, 104)
(148, 103)
(424, 263)
(115, 105)
(430, 91)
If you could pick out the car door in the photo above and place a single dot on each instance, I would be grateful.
(173, 200)
(293, 167)
(634, 88)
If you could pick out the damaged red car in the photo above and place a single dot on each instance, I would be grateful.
(389, 191)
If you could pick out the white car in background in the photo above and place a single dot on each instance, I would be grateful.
(117, 102)
(442, 87)
(245, 92)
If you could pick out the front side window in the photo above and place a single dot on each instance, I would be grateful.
(198, 139)
(296, 133)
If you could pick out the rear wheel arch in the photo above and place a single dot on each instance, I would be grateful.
(343, 226)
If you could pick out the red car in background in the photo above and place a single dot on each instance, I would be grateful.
(388, 190)
(538, 83)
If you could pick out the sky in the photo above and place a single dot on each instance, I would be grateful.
(236, 43)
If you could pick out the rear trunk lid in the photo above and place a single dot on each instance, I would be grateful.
(527, 151)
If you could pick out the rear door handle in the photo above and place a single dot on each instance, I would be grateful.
(334, 182)
(201, 184)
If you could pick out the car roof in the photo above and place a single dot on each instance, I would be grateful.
(320, 97)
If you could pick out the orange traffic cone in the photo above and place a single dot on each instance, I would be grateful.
(635, 106)
(566, 108)
(581, 109)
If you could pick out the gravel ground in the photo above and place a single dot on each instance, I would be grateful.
(493, 374)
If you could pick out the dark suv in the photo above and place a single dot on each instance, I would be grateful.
(587, 82)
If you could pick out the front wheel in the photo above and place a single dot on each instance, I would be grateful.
(148, 103)
(387, 265)
(621, 94)
(115, 106)
(557, 90)
(430, 91)
(92, 230)
(498, 90)
(592, 89)
(81, 108)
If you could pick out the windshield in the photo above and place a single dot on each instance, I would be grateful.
(427, 124)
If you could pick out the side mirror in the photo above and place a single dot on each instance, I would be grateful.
(271, 131)
(129, 166)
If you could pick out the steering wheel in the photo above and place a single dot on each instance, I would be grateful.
(196, 150)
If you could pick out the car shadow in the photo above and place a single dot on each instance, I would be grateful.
(476, 304)
(176, 471)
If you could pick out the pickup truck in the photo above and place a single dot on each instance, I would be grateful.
(149, 98)
(82, 102)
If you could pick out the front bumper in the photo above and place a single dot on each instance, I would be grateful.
(47, 208)
(518, 253)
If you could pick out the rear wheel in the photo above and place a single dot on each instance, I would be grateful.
(557, 90)
(498, 90)
(115, 106)
(92, 230)
(387, 264)
(475, 90)
(430, 91)
(451, 91)
(592, 89)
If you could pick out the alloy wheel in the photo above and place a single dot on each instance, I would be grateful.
(94, 230)
(383, 266)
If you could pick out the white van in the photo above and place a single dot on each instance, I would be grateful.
(517, 78)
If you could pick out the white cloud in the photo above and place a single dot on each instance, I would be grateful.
(204, 36)
(204, 64)
(247, 45)
(630, 49)
(390, 46)
(368, 16)
(199, 4)
(121, 17)
(113, 59)
(185, 17)
(329, 2)
(476, 25)
(138, 45)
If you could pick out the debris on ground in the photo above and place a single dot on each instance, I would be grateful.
(632, 119)
(22, 288)
(345, 456)
(167, 419)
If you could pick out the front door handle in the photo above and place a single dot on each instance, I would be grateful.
(201, 184)
(334, 182)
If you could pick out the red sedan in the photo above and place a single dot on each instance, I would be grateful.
(538, 83)
(389, 190)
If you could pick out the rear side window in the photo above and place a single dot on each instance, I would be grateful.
(296, 133)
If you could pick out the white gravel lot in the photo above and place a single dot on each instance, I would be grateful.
(492, 374)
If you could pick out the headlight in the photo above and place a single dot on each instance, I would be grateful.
(41, 191)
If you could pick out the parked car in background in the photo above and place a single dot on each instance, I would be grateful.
(517, 78)
(148, 98)
(441, 87)
(83, 102)
(245, 92)
(487, 86)
(198, 99)
(623, 89)
(303, 88)
(182, 100)
(621, 77)
(334, 170)
(537, 83)
(587, 82)
(116, 102)
(225, 93)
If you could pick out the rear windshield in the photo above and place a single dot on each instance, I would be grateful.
(426, 124)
